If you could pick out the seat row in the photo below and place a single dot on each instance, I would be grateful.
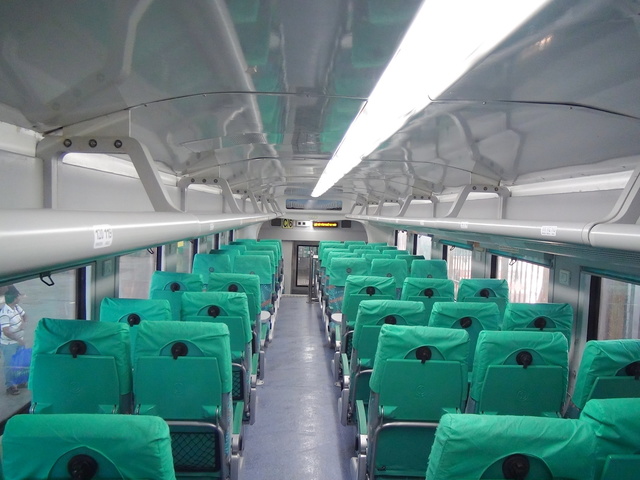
(421, 372)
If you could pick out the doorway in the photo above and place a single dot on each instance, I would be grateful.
(303, 253)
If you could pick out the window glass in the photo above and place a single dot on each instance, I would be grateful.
(423, 246)
(134, 273)
(32, 300)
(401, 242)
(458, 265)
(619, 310)
(184, 257)
(528, 282)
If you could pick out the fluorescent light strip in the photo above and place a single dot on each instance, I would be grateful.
(446, 38)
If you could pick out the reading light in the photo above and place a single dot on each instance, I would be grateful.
(446, 38)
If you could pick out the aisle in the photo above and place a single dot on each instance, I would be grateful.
(297, 434)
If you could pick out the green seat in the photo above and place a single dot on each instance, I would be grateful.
(122, 446)
(204, 264)
(546, 317)
(519, 373)
(484, 446)
(250, 286)
(608, 369)
(409, 259)
(419, 373)
(354, 371)
(429, 269)
(357, 289)
(484, 290)
(230, 309)
(470, 316)
(428, 291)
(132, 311)
(393, 268)
(616, 423)
(80, 366)
(182, 373)
(171, 285)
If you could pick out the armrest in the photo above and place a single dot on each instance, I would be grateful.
(238, 428)
(346, 370)
(361, 425)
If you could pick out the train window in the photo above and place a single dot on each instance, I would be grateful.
(37, 300)
(134, 273)
(184, 256)
(401, 239)
(423, 246)
(528, 282)
(619, 310)
(458, 265)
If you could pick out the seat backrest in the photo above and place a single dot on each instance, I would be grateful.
(372, 315)
(429, 269)
(182, 370)
(239, 282)
(46, 446)
(428, 291)
(409, 259)
(616, 423)
(394, 252)
(204, 264)
(132, 311)
(484, 290)
(80, 366)
(261, 266)
(520, 373)
(545, 317)
(416, 358)
(393, 267)
(175, 282)
(363, 287)
(470, 316)
(608, 369)
(488, 446)
(341, 267)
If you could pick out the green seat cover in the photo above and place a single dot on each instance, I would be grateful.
(484, 290)
(402, 342)
(124, 446)
(175, 281)
(371, 255)
(429, 269)
(503, 382)
(341, 267)
(188, 386)
(363, 250)
(616, 423)
(409, 259)
(418, 374)
(603, 371)
(361, 287)
(80, 366)
(395, 268)
(394, 252)
(261, 266)
(234, 249)
(428, 291)
(475, 446)
(470, 316)
(552, 317)
(238, 282)
(132, 311)
(204, 264)
(372, 314)
(354, 242)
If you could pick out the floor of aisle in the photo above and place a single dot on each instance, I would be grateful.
(297, 433)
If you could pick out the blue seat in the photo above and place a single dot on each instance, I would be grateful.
(508, 446)
(182, 373)
(519, 373)
(89, 445)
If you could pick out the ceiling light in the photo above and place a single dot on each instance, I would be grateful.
(446, 38)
